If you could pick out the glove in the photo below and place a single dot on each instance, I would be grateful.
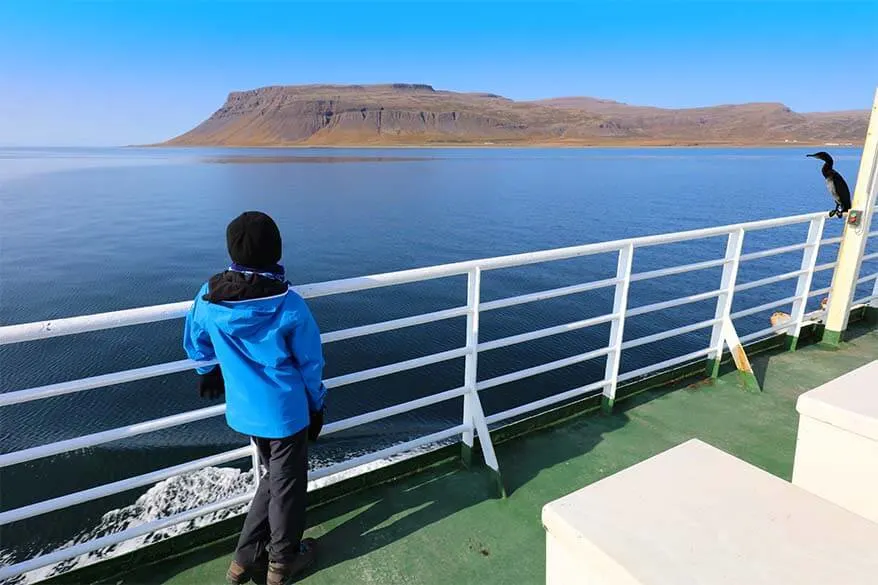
(211, 385)
(316, 424)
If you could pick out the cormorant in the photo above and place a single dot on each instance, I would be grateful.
(835, 183)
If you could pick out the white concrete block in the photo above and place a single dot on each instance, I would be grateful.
(837, 443)
(695, 515)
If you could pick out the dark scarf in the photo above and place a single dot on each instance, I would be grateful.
(240, 283)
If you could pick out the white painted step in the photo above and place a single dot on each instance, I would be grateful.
(837, 443)
(696, 515)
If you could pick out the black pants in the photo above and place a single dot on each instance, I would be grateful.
(276, 519)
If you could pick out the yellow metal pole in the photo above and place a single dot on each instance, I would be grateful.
(853, 242)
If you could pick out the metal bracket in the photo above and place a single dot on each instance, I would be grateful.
(855, 217)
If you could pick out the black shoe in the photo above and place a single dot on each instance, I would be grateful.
(284, 573)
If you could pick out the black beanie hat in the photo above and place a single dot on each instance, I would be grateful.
(254, 240)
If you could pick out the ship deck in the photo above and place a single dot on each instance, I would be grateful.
(441, 525)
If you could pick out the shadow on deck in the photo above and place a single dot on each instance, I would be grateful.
(441, 526)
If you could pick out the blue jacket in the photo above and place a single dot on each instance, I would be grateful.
(271, 358)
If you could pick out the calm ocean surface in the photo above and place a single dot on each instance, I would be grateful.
(89, 230)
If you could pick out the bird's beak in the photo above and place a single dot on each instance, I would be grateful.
(812, 155)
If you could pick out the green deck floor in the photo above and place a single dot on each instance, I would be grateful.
(440, 527)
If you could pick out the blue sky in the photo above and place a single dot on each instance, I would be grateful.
(123, 72)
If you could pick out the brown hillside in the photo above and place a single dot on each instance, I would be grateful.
(767, 123)
(418, 114)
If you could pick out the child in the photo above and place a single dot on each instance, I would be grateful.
(270, 369)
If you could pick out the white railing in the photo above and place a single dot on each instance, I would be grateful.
(474, 421)
(870, 299)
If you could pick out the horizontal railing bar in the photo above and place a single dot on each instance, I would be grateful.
(678, 269)
(124, 485)
(388, 452)
(764, 307)
(872, 234)
(769, 280)
(120, 486)
(420, 274)
(766, 331)
(394, 410)
(827, 241)
(394, 368)
(528, 372)
(665, 364)
(548, 401)
(116, 434)
(362, 283)
(672, 303)
(867, 278)
(85, 323)
(872, 256)
(666, 334)
(84, 548)
(546, 294)
(80, 324)
(819, 291)
(827, 266)
(540, 333)
(763, 224)
(391, 325)
(772, 252)
(191, 416)
(865, 300)
(76, 550)
(73, 386)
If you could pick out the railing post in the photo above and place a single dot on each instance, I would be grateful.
(853, 240)
(734, 244)
(803, 286)
(257, 467)
(473, 414)
(470, 376)
(617, 327)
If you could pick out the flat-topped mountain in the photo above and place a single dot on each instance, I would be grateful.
(418, 114)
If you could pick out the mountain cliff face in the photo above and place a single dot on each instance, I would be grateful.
(418, 114)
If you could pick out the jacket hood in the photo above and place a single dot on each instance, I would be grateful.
(245, 319)
(232, 285)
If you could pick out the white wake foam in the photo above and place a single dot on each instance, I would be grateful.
(174, 496)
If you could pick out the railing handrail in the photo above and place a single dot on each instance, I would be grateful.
(142, 315)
